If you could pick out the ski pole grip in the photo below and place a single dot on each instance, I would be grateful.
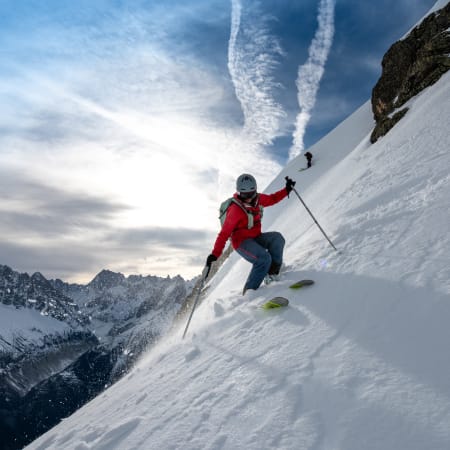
(205, 272)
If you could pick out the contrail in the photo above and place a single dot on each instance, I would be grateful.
(252, 56)
(310, 73)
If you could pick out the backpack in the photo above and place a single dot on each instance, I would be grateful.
(227, 203)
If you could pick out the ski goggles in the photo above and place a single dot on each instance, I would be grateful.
(247, 195)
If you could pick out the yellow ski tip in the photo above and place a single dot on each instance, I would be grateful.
(276, 302)
(301, 283)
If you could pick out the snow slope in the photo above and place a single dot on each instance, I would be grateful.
(28, 327)
(359, 361)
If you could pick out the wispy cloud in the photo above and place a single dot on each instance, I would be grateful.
(252, 57)
(310, 73)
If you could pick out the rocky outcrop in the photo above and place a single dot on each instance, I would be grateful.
(408, 67)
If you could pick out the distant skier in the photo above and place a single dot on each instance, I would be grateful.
(308, 157)
(243, 224)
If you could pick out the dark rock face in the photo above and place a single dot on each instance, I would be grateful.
(107, 279)
(22, 291)
(409, 66)
(23, 419)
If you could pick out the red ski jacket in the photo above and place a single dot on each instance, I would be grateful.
(236, 221)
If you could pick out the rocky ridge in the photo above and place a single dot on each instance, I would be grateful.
(408, 67)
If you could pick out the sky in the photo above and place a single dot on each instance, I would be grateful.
(124, 124)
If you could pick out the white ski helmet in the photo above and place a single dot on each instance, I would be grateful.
(246, 184)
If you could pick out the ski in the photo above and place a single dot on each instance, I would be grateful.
(301, 284)
(276, 302)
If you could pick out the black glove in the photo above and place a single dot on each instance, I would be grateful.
(209, 260)
(289, 184)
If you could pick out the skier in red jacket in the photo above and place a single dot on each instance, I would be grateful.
(263, 250)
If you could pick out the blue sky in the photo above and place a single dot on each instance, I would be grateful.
(124, 123)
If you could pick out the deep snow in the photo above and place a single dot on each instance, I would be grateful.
(359, 361)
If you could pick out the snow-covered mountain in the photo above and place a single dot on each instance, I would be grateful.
(357, 361)
(40, 327)
(61, 344)
(113, 301)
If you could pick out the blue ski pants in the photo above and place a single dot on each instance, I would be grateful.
(262, 251)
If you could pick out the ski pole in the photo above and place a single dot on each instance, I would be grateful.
(311, 214)
(205, 274)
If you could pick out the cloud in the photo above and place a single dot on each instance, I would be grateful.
(178, 238)
(70, 263)
(78, 259)
(252, 58)
(72, 236)
(157, 250)
(34, 211)
(310, 73)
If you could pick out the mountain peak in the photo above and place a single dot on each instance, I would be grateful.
(107, 279)
(37, 276)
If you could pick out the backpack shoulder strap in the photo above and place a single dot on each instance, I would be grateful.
(249, 215)
(227, 203)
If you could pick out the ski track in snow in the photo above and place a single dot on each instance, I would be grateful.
(357, 361)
